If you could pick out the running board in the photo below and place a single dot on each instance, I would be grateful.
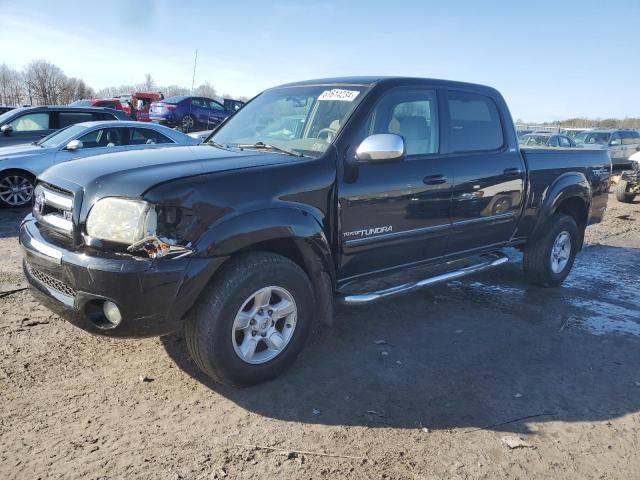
(369, 297)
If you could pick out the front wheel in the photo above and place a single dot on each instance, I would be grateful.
(622, 192)
(548, 260)
(16, 189)
(252, 321)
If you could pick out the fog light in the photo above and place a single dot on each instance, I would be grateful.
(112, 312)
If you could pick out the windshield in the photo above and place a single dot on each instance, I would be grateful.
(593, 138)
(61, 137)
(301, 119)
(534, 140)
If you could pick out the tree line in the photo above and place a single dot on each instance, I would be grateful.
(632, 123)
(43, 83)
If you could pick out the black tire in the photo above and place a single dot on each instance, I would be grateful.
(537, 256)
(209, 325)
(187, 123)
(17, 177)
(622, 193)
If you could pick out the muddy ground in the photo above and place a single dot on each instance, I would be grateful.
(462, 366)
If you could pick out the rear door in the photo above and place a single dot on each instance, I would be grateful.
(630, 142)
(395, 214)
(489, 175)
(217, 113)
(28, 128)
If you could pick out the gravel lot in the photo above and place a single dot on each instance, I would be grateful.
(420, 387)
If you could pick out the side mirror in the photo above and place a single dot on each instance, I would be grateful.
(74, 145)
(6, 129)
(382, 147)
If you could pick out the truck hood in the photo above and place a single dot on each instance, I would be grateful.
(133, 173)
(23, 150)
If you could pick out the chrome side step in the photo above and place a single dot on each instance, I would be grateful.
(369, 297)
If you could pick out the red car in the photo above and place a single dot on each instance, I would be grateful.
(138, 102)
(100, 102)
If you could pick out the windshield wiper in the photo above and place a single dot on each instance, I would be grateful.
(213, 143)
(267, 146)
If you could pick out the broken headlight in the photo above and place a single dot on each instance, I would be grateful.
(121, 220)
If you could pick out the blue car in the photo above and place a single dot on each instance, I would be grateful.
(189, 113)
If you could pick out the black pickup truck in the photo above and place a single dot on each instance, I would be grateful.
(314, 191)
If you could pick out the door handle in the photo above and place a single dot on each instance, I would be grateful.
(511, 172)
(435, 179)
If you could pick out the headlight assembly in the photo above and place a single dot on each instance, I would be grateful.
(121, 220)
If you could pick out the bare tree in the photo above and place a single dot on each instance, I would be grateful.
(205, 90)
(11, 86)
(45, 82)
(173, 90)
(149, 84)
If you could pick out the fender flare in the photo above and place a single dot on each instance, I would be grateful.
(244, 231)
(566, 186)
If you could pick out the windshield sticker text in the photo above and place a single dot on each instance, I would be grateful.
(339, 95)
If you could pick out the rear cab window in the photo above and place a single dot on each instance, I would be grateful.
(474, 122)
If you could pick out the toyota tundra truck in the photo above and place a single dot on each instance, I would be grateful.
(344, 190)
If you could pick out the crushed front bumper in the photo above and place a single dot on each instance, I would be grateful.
(152, 294)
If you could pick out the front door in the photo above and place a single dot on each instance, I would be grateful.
(398, 213)
(489, 176)
(28, 128)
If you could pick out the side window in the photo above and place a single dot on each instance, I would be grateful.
(475, 122)
(564, 142)
(630, 138)
(615, 139)
(103, 116)
(412, 114)
(71, 118)
(31, 122)
(197, 102)
(103, 138)
(146, 136)
(553, 142)
(213, 105)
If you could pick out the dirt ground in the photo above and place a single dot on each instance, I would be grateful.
(425, 386)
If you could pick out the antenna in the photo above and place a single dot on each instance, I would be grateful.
(193, 79)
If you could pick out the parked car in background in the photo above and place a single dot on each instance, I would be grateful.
(113, 103)
(5, 109)
(28, 124)
(245, 241)
(621, 144)
(232, 105)
(546, 140)
(20, 164)
(629, 183)
(137, 104)
(523, 132)
(572, 132)
(188, 112)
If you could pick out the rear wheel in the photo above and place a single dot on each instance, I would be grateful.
(251, 322)
(16, 189)
(622, 192)
(548, 261)
(188, 122)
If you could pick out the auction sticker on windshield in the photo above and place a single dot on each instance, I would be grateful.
(339, 94)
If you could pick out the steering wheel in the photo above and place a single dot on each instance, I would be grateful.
(329, 131)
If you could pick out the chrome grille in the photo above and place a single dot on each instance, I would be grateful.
(53, 208)
(51, 282)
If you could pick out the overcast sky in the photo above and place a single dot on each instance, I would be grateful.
(551, 59)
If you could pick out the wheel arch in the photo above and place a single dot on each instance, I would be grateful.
(569, 194)
(293, 233)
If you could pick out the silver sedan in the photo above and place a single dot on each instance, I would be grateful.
(21, 164)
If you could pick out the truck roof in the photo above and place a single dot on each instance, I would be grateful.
(373, 80)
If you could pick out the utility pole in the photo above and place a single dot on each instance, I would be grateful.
(193, 79)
